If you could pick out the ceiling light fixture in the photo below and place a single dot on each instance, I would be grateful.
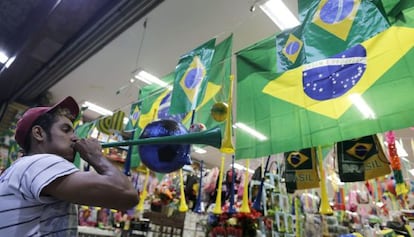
(3, 57)
(279, 13)
(101, 110)
(96, 108)
(9, 61)
(250, 131)
(149, 78)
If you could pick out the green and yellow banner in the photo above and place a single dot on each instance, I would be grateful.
(361, 159)
(191, 78)
(300, 170)
(349, 85)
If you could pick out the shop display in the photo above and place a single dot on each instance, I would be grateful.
(346, 188)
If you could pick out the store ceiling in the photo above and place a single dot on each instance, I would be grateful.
(50, 38)
(90, 49)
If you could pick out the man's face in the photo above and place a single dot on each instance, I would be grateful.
(62, 139)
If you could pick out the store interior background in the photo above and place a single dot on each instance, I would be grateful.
(69, 60)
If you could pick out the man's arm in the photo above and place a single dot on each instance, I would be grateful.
(107, 187)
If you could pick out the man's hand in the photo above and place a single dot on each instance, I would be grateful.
(90, 149)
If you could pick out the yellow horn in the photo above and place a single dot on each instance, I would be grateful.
(143, 196)
(245, 201)
(183, 205)
(226, 143)
(325, 208)
(226, 147)
(217, 207)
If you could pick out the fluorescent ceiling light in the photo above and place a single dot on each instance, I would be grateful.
(9, 62)
(149, 78)
(241, 167)
(251, 131)
(3, 57)
(279, 13)
(362, 106)
(100, 110)
(96, 108)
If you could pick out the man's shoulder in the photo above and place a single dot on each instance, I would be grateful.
(39, 157)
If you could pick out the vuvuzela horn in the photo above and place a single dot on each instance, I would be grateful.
(183, 205)
(325, 208)
(227, 144)
(210, 137)
(245, 201)
(226, 147)
(143, 196)
(257, 204)
(217, 207)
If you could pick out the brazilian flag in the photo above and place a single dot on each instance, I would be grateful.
(350, 85)
(133, 116)
(361, 159)
(300, 170)
(218, 85)
(289, 49)
(132, 125)
(190, 78)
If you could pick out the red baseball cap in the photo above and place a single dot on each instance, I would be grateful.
(29, 117)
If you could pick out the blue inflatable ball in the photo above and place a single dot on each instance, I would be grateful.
(164, 158)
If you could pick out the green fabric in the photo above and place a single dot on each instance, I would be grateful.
(190, 78)
(217, 89)
(322, 40)
(133, 117)
(275, 103)
(82, 131)
(394, 9)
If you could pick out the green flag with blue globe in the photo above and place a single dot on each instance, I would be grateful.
(355, 80)
(190, 78)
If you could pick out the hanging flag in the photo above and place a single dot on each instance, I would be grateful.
(361, 159)
(300, 170)
(190, 78)
(363, 90)
(218, 84)
(331, 27)
(289, 49)
(133, 117)
(393, 9)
